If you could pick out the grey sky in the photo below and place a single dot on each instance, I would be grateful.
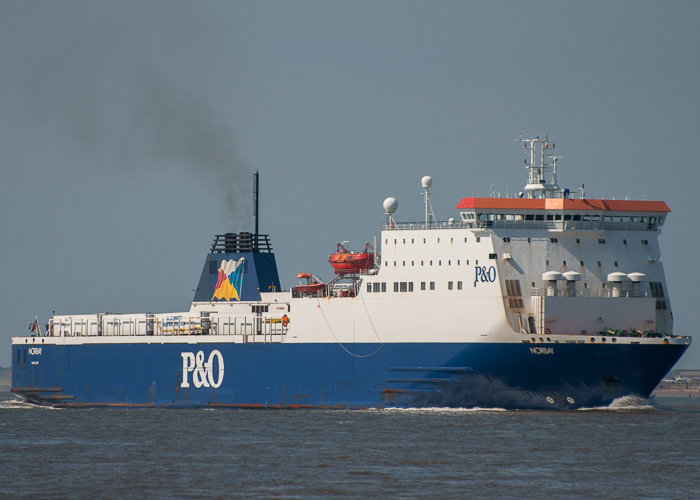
(129, 131)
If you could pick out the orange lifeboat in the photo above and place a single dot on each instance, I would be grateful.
(344, 261)
(313, 286)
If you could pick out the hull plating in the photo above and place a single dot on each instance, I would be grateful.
(324, 375)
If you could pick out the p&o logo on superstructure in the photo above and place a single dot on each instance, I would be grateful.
(203, 374)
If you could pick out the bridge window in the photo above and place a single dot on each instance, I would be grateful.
(657, 289)
(514, 294)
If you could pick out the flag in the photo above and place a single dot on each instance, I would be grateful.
(34, 327)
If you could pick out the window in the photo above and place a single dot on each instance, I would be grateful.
(384, 287)
(624, 242)
(410, 286)
(514, 294)
(493, 256)
(404, 286)
(615, 263)
(376, 287)
(645, 242)
(563, 263)
(657, 289)
(449, 285)
(478, 239)
(601, 241)
(506, 240)
(578, 240)
(432, 285)
(554, 240)
(459, 285)
(369, 287)
(422, 285)
(449, 262)
(396, 286)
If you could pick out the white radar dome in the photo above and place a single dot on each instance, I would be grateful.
(426, 181)
(390, 205)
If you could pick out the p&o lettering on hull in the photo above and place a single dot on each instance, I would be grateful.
(203, 374)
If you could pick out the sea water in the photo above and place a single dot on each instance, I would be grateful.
(632, 449)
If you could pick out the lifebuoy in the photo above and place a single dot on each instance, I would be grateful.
(547, 331)
(285, 320)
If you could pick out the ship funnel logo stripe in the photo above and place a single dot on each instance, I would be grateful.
(230, 279)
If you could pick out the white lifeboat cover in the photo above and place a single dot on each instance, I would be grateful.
(572, 276)
(617, 277)
(552, 276)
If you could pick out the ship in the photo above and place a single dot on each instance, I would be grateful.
(543, 300)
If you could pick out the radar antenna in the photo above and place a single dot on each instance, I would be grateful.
(427, 183)
(541, 162)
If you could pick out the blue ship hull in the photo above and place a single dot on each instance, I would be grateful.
(273, 375)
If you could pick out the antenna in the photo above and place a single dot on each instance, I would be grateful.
(390, 206)
(256, 191)
(538, 185)
(427, 183)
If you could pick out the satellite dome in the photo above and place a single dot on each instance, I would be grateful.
(426, 181)
(390, 205)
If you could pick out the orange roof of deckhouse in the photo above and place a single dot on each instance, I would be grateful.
(563, 204)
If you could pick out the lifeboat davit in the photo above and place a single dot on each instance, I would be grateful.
(313, 285)
(344, 261)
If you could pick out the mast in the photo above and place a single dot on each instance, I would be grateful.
(256, 191)
(542, 161)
